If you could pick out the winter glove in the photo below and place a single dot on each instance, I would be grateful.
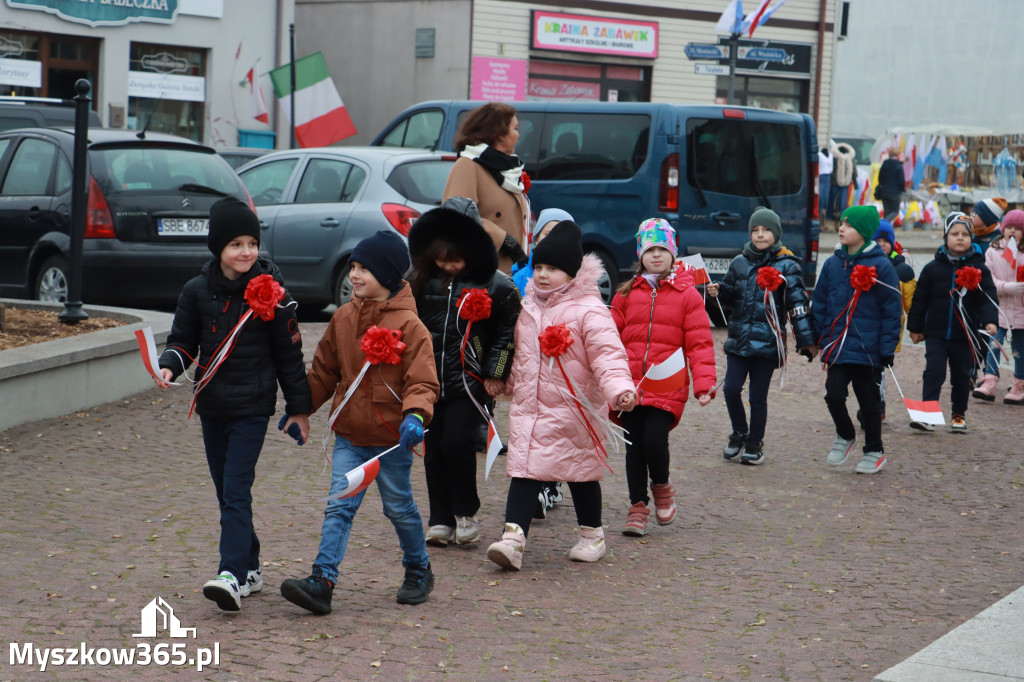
(410, 433)
(887, 360)
(294, 431)
(510, 247)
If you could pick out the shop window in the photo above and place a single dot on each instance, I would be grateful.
(744, 158)
(593, 146)
(778, 94)
(587, 82)
(166, 114)
(64, 60)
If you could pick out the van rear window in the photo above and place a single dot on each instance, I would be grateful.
(592, 146)
(744, 158)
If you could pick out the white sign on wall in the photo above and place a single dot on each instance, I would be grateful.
(21, 72)
(168, 86)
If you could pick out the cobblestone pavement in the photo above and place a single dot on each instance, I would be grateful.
(793, 570)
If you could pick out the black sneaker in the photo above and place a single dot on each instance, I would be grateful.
(754, 454)
(417, 585)
(736, 443)
(313, 594)
(543, 504)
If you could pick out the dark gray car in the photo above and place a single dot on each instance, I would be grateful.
(316, 204)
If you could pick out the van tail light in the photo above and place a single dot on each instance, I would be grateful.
(812, 195)
(812, 250)
(668, 187)
(401, 217)
(99, 224)
(734, 113)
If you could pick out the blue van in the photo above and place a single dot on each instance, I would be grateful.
(611, 165)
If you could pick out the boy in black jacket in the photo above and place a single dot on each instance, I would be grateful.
(237, 403)
(946, 314)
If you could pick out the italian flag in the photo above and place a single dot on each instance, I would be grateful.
(320, 115)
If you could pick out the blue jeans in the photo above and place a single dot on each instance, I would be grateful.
(824, 183)
(395, 489)
(232, 450)
(1017, 348)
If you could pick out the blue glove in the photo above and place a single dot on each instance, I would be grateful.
(410, 433)
(294, 431)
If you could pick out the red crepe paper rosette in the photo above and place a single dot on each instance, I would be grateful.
(555, 340)
(862, 278)
(968, 278)
(769, 279)
(1020, 274)
(525, 178)
(263, 294)
(474, 305)
(382, 345)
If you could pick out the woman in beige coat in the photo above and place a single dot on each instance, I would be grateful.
(488, 172)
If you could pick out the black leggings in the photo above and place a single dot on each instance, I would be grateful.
(522, 501)
(450, 461)
(647, 455)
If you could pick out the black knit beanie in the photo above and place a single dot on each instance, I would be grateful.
(386, 256)
(562, 248)
(230, 218)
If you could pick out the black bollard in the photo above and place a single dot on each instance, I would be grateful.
(73, 312)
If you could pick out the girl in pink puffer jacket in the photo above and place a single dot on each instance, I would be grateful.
(548, 441)
(1010, 287)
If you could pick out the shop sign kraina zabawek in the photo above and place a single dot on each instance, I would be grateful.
(104, 12)
(596, 35)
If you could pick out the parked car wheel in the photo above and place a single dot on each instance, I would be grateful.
(52, 280)
(610, 280)
(342, 287)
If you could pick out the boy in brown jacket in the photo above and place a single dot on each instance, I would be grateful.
(393, 401)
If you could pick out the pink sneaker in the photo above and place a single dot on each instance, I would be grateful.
(636, 520)
(987, 390)
(591, 545)
(508, 552)
(1015, 396)
(664, 503)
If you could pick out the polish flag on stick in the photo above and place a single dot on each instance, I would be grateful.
(925, 411)
(147, 346)
(696, 263)
(259, 104)
(1010, 252)
(667, 375)
(493, 447)
(360, 478)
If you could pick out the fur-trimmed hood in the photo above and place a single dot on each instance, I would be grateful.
(456, 228)
(583, 284)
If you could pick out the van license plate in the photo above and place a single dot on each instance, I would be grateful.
(176, 227)
(717, 265)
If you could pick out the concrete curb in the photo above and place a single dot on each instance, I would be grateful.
(62, 376)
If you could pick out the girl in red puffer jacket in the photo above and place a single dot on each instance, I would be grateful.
(658, 312)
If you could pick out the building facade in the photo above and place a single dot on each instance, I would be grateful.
(385, 56)
(174, 66)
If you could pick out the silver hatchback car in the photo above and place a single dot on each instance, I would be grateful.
(316, 204)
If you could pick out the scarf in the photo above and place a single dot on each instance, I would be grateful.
(542, 295)
(754, 254)
(985, 230)
(506, 169)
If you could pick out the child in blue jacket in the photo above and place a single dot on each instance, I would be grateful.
(856, 345)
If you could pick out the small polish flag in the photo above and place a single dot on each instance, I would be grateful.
(259, 104)
(359, 479)
(147, 346)
(696, 263)
(667, 375)
(1010, 252)
(493, 447)
(926, 411)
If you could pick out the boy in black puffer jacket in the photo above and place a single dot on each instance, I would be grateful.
(452, 253)
(237, 403)
(946, 315)
(752, 348)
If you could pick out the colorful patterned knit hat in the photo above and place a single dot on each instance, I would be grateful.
(655, 232)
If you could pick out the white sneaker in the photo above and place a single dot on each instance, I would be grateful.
(467, 530)
(508, 552)
(253, 583)
(591, 546)
(841, 449)
(225, 591)
(440, 535)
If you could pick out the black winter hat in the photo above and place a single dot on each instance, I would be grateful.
(230, 218)
(562, 248)
(386, 256)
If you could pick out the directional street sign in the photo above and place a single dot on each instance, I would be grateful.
(708, 51)
(761, 54)
(711, 69)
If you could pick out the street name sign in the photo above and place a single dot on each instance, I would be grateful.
(711, 69)
(706, 51)
(761, 54)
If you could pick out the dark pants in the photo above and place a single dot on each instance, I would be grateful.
(891, 205)
(522, 500)
(232, 450)
(957, 354)
(865, 382)
(449, 460)
(647, 455)
(760, 371)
